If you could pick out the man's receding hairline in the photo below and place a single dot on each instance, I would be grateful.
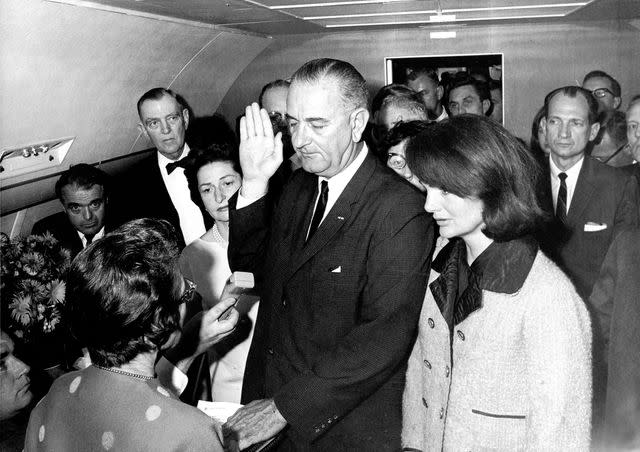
(180, 107)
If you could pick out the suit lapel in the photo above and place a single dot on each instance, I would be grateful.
(583, 192)
(337, 217)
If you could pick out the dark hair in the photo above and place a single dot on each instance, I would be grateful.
(402, 131)
(122, 295)
(353, 88)
(534, 143)
(463, 79)
(414, 73)
(614, 123)
(412, 104)
(159, 93)
(574, 91)
(217, 152)
(472, 156)
(274, 84)
(634, 100)
(615, 86)
(84, 176)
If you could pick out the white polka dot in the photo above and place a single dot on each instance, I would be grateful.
(41, 433)
(74, 384)
(163, 391)
(107, 440)
(153, 413)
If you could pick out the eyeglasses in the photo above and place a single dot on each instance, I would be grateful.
(601, 92)
(189, 290)
(396, 161)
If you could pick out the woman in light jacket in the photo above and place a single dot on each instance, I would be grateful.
(503, 355)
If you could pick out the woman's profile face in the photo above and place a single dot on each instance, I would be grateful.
(217, 182)
(456, 216)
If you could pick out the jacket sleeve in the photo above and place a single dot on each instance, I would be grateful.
(627, 211)
(413, 413)
(370, 353)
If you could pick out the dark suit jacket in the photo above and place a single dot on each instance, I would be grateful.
(615, 304)
(607, 199)
(141, 193)
(338, 314)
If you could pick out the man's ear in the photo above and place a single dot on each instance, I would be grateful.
(439, 92)
(486, 104)
(595, 127)
(543, 126)
(616, 102)
(358, 120)
(185, 116)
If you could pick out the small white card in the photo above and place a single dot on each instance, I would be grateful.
(219, 411)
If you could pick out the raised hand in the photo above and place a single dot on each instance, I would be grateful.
(260, 151)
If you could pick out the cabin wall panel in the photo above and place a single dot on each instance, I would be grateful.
(77, 71)
(537, 59)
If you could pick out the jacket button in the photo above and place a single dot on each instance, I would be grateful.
(446, 371)
(424, 402)
(431, 322)
(427, 363)
(284, 302)
(441, 413)
(461, 335)
(270, 351)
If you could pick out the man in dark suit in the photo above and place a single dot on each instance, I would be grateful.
(156, 187)
(83, 191)
(341, 264)
(591, 201)
(615, 303)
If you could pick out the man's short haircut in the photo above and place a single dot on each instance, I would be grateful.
(84, 176)
(481, 88)
(353, 88)
(614, 123)
(272, 85)
(411, 104)
(634, 100)
(391, 90)
(473, 156)
(615, 86)
(123, 292)
(217, 152)
(574, 91)
(402, 131)
(415, 73)
(159, 93)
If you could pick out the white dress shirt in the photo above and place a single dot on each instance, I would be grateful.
(571, 180)
(83, 238)
(191, 221)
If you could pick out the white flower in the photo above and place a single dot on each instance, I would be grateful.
(57, 290)
(21, 309)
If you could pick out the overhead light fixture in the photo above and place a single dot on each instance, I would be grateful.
(329, 4)
(416, 22)
(453, 10)
(510, 8)
(442, 34)
(443, 18)
(350, 16)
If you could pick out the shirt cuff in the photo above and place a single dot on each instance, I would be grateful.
(170, 376)
(244, 201)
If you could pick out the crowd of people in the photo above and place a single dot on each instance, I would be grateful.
(425, 280)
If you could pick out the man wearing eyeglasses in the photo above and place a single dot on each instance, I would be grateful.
(83, 193)
(604, 88)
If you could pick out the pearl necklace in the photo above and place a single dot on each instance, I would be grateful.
(124, 372)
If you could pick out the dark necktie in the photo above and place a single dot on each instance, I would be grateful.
(177, 164)
(561, 204)
(88, 239)
(320, 207)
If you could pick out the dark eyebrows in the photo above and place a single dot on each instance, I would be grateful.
(312, 119)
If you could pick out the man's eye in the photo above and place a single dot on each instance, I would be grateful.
(318, 126)
(553, 122)
(74, 209)
(577, 123)
(153, 124)
(95, 204)
(173, 118)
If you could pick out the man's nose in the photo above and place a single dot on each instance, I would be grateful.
(565, 130)
(300, 138)
(87, 214)
(165, 128)
(16, 367)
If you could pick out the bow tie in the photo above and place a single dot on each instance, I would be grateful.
(177, 164)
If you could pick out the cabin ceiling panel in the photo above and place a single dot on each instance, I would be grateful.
(278, 17)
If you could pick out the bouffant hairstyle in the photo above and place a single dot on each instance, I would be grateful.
(123, 292)
(473, 156)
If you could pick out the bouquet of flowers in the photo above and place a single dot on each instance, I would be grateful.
(32, 286)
